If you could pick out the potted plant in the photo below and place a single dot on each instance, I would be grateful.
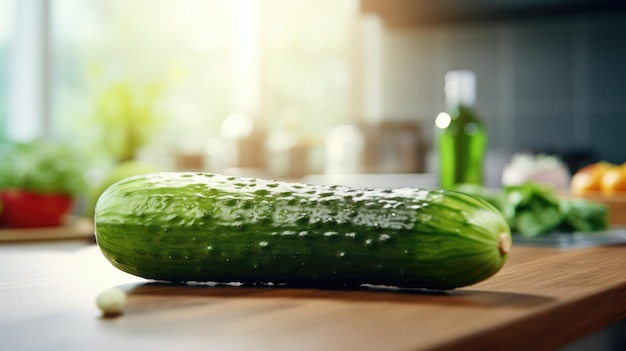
(39, 182)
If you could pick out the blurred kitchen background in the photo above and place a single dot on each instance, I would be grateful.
(290, 88)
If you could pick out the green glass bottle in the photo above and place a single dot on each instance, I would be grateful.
(460, 136)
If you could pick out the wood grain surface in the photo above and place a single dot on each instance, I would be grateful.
(76, 228)
(541, 300)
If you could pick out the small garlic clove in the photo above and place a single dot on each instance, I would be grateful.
(111, 302)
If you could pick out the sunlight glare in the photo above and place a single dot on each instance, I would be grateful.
(443, 120)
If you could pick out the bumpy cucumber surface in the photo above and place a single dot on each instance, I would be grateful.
(203, 227)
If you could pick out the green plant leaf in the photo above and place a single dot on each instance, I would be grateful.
(41, 166)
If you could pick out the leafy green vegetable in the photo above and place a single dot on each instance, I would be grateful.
(583, 216)
(532, 209)
(41, 166)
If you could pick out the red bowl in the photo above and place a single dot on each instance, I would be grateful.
(26, 209)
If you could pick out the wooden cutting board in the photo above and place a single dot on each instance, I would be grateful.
(75, 228)
(577, 290)
(541, 300)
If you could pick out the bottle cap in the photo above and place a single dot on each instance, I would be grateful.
(460, 88)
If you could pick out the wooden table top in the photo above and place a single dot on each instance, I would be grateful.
(541, 300)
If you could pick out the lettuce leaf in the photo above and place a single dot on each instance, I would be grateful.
(532, 209)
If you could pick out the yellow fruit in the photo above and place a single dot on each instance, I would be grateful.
(614, 180)
(588, 179)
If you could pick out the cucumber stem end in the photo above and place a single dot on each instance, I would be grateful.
(504, 243)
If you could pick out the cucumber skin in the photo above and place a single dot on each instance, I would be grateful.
(203, 227)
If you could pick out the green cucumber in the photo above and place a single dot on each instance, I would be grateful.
(204, 227)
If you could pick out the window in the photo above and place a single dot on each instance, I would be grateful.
(178, 69)
(6, 28)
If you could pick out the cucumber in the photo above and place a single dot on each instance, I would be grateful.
(204, 227)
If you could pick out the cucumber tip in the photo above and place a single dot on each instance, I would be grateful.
(504, 243)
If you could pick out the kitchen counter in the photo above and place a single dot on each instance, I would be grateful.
(542, 299)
